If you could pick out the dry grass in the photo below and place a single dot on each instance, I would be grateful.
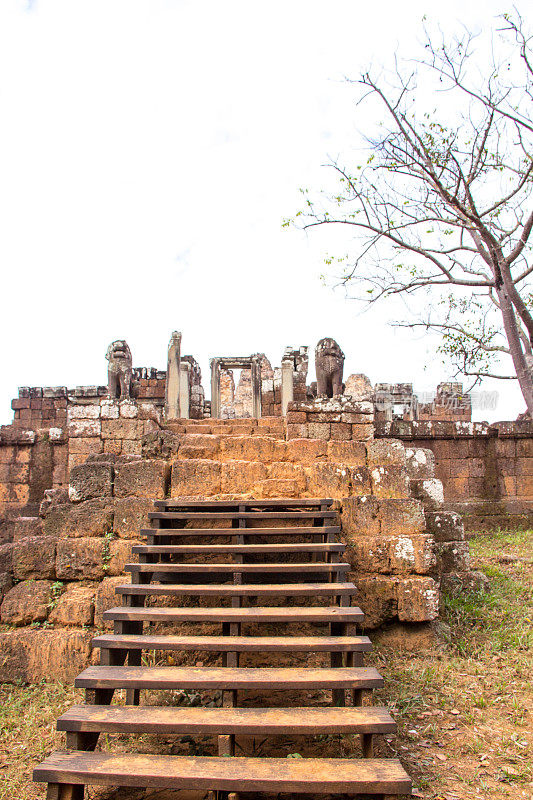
(462, 708)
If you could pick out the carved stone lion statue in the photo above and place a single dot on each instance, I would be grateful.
(329, 363)
(119, 371)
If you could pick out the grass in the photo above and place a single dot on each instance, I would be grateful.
(463, 708)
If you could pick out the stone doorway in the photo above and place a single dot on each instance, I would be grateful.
(246, 399)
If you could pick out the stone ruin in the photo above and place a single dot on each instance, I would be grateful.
(80, 469)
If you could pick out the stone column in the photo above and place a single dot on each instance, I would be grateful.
(287, 382)
(172, 390)
(215, 387)
(185, 390)
(256, 388)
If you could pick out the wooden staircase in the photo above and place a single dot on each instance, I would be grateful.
(179, 562)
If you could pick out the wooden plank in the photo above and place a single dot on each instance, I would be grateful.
(333, 614)
(254, 515)
(251, 644)
(230, 568)
(289, 531)
(168, 719)
(273, 503)
(242, 590)
(228, 678)
(250, 549)
(319, 775)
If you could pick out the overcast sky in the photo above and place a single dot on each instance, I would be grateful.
(149, 151)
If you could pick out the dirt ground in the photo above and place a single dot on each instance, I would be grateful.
(463, 705)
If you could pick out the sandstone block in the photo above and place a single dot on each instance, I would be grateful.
(347, 452)
(389, 482)
(306, 451)
(128, 409)
(369, 554)
(297, 431)
(296, 416)
(329, 480)
(91, 518)
(75, 607)
(445, 526)
(456, 583)
(84, 427)
(26, 602)
(146, 478)
(256, 448)
(34, 655)
(105, 599)
(199, 445)
(360, 516)
(132, 447)
(80, 559)
(34, 557)
(240, 477)
(362, 433)
(453, 557)
(109, 409)
(360, 481)
(120, 555)
(385, 453)
(319, 430)
(6, 558)
(412, 554)
(287, 471)
(278, 487)
(357, 419)
(418, 600)
(130, 515)
(420, 463)
(6, 583)
(377, 596)
(195, 478)
(401, 516)
(90, 480)
(84, 446)
(83, 412)
(341, 431)
(430, 492)
(122, 428)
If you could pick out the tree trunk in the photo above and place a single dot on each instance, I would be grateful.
(510, 325)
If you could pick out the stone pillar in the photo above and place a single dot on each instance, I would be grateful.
(172, 390)
(287, 382)
(185, 390)
(256, 388)
(215, 387)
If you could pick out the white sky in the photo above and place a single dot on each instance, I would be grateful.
(149, 151)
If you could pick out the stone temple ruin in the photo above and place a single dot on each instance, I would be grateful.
(359, 478)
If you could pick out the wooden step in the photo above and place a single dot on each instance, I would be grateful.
(299, 775)
(249, 549)
(228, 678)
(313, 567)
(244, 721)
(293, 531)
(283, 502)
(252, 515)
(301, 614)
(238, 590)
(239, 644)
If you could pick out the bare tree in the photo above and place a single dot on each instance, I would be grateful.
(443, 203)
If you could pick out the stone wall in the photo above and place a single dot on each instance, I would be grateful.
(486, 470)
(58, 571)
(339, 418)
